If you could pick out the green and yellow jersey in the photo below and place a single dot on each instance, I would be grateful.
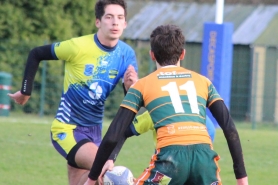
(176, 99)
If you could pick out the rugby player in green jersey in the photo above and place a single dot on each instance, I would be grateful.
(176, 99)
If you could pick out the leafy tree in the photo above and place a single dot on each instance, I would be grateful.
(226, 1)
(26, 24)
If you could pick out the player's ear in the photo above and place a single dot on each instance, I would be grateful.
(182, 54)
(125, 25)
(97, 23)
(152, 55)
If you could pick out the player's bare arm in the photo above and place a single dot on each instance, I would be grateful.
(107, 167)
(19, 98)
(130, 77)
(242, 181)
(35, 56)
(90, 182)
(115, 132)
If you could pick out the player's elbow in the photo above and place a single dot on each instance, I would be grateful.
(110, 141)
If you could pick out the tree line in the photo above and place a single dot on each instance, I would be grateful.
(26, 24)
(226, 1)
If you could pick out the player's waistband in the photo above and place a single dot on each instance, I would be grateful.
(86, 127)
(182, 134)
(192, 147)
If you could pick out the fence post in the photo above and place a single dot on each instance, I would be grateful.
(254, 95)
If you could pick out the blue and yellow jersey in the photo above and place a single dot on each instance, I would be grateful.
(176, 99)
(91, 73)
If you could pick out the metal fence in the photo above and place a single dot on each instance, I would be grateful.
(254, 93)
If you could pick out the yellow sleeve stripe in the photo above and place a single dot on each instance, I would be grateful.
(134, 94)
(214, 101)
(179, 115)
(130, 108)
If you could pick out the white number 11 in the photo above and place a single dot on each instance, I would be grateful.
(189, 87)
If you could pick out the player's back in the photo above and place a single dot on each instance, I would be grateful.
(176, 99)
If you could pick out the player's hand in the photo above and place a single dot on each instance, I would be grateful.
(130, 77)
(242, 181)
(134, 180)
(19, 98)
(107, 166)
(90, 182)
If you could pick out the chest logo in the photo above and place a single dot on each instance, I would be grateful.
(113, 73)
(96, 91)
(89, 68)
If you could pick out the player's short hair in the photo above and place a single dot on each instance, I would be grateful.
(167, 44)
(101, 4)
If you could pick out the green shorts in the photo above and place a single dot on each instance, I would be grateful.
(183, 165)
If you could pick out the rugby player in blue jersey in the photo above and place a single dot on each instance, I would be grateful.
(93, 66)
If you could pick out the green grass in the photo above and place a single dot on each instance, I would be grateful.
(28, 158)
(260, 150)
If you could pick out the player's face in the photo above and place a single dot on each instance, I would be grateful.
(112, 24)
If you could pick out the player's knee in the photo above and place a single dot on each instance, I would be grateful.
(82, 155)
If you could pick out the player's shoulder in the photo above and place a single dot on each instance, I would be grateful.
(141, 82)
(200, 77)
(125, 46)
(147, 80)
(83, 39)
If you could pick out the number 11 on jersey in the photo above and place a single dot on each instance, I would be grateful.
(174, 93)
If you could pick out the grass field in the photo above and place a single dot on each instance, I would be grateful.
(28, 158)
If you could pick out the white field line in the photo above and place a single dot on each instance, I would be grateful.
(16, 120)
(30, 143)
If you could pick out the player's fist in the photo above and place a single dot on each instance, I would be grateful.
(108, 166)
(130, 77)
(90, 182)
(19, 98)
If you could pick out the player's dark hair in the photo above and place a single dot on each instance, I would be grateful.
(167, 44)
(101, 4)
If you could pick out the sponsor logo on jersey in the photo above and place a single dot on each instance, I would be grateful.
(102, 66)
(173, 74)
(192, 127)
(96, 91)
(62, 135)
(171, 129)
(103, 63)
(215, 183)
(161, 179)
(113, 73)
(89, 68)
(93, 102)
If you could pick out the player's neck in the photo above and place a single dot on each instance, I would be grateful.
(107, 42)
(158, 66)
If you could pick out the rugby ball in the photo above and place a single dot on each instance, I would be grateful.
(120, 175)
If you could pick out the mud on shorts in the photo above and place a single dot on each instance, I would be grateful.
(182, 165)
(67, 138)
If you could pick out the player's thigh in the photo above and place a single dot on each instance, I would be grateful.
(85, 156)
(62, 137)
(77, 144)
(205, 169)
(166, 168)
